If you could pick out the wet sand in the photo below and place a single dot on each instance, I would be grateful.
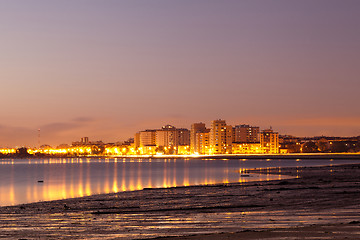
(317, 203)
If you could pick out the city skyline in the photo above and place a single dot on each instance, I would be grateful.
(109, 69)
(239, 133)
(219, 138)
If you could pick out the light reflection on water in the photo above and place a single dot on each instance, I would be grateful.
(78, 177)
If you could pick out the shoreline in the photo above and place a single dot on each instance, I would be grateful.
(326, 197)
(303, 156)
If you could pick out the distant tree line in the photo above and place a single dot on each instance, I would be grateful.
(324, 147)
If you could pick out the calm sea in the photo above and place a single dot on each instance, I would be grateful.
(33, 180)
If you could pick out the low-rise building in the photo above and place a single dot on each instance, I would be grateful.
(246, 148)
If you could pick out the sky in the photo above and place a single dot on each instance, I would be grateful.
(107, 69)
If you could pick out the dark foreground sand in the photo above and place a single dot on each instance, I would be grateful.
(321, 203)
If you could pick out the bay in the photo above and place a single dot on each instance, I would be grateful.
(32, 180)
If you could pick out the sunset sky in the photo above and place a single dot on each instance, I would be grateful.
(106, 69)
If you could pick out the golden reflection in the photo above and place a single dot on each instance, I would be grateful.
(123, 180)
(139, 178)
(12, 188)
(99, 188)
(36, 193)
(84, 178)
(240, 173)
(87, 184)
(174, 174)
(186, 174)
(63, 185)
(226, 175)
(132, 185)
(46, 194)
(52, 191)
(29, 193)
(107, 180)
(72, 192)
(150, 176)
(81, 193)
(165, 175)
(115, 184)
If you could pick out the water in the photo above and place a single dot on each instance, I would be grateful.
(32, 180)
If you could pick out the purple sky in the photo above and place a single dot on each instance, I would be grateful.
(106, 69)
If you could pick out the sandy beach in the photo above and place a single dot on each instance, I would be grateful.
(316, 203)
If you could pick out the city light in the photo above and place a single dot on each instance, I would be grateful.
(219, 139)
